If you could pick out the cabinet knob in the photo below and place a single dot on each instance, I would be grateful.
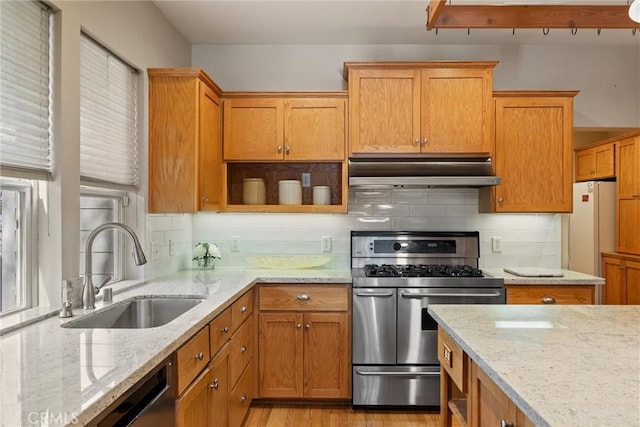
(425, 141)
(299, 325)
(243, 309)
(303, 297)
(205, 198)
(287, 149)
(501, 200)
(308, 326)
(417, 141)
(243, 348)
(244, 397)
(224, 330)
(621, 267)
(503, 423)
(199, 356)
(279, 149)
(548, 300)
(214, 385)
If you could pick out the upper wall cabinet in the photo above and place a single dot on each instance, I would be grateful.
(628, 195)
(276, 128)
(428, 107)
(185, 150)
(595, 161)
(533, 153)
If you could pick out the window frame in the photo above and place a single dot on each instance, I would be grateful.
(27, 267)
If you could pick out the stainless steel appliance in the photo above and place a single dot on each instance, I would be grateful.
(396, 275)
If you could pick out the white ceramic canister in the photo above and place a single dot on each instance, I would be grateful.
(289, 192)
(321, 195)
(253, 191)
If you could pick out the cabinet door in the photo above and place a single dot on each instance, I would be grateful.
(604, 161)
(253, 129)
(490, 406)
(533, 154)
(210, 162)
(192, 408)
(384, 111)
(628, 196)
(615, 287)
(218, 389)
(314, 129)
(633, 282)
(585, 164)
(280, 349)
(457, 111)
(326, 355)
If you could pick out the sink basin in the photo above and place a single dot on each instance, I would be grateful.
(137, 313)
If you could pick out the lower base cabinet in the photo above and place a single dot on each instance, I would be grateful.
(622, 275)
(468, 397)
(241, 396)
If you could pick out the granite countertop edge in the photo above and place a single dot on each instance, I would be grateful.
(220, 287)
(569, 278)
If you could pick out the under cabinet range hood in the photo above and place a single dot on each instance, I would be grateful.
(432, 170)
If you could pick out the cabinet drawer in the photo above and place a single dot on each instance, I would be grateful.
(220, 331)
(304, 298)
(452, 359)
(241, 309)
(240, 397)
(192, 358)
(240, 350)
(558, 294)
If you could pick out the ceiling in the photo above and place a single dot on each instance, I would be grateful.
(358, 22)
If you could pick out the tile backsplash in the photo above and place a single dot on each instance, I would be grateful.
(528, 239)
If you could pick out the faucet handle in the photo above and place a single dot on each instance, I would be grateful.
(104, 282)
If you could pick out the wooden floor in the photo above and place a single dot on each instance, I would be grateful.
(276, 415)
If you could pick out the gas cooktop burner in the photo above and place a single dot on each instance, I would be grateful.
(422, 270)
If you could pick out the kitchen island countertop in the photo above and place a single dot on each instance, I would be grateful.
(54, 376)
(561, 365)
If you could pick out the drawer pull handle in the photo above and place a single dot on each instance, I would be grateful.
(244, 397)
(243, 348)
(243, 309)
(214, 385)
(224, 330)
(199, 356)
(548, 300)
(503, 423)
(303, 297)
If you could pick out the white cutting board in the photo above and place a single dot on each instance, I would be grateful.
(534, 271)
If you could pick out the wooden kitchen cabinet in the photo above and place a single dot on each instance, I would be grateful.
(468, 396)
(550, 294)
(424, 107)
(277, 136)
(595, 161)
(192, 358)
(185, 147)
(622, 275)
(277, 128)
(533, 155)
(628, 195)
(304, 342)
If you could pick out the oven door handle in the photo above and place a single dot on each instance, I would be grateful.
(466, 294)
(375, 294)
(397, 374)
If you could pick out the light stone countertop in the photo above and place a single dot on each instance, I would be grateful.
(54, 376)
(569, 278)
(561, 365)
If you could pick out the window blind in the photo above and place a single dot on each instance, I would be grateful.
(108, 117)
(25, 143)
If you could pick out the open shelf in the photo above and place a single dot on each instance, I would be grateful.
(458, 409)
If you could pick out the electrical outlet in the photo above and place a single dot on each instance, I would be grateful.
(496, 244)
(155, 251)
(325, 243)
(235, 243)
(306, 179)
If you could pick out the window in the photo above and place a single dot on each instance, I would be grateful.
(108, 118)
(25, 143)
(96, 208)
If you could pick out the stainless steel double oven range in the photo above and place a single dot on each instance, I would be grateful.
(396, 275)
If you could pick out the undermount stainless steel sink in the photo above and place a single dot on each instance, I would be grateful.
(137, 313)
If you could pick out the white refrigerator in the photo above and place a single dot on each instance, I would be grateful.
(592, 225)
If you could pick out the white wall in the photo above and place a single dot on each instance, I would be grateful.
(528, 240)
(607, 75)
(141, 35)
